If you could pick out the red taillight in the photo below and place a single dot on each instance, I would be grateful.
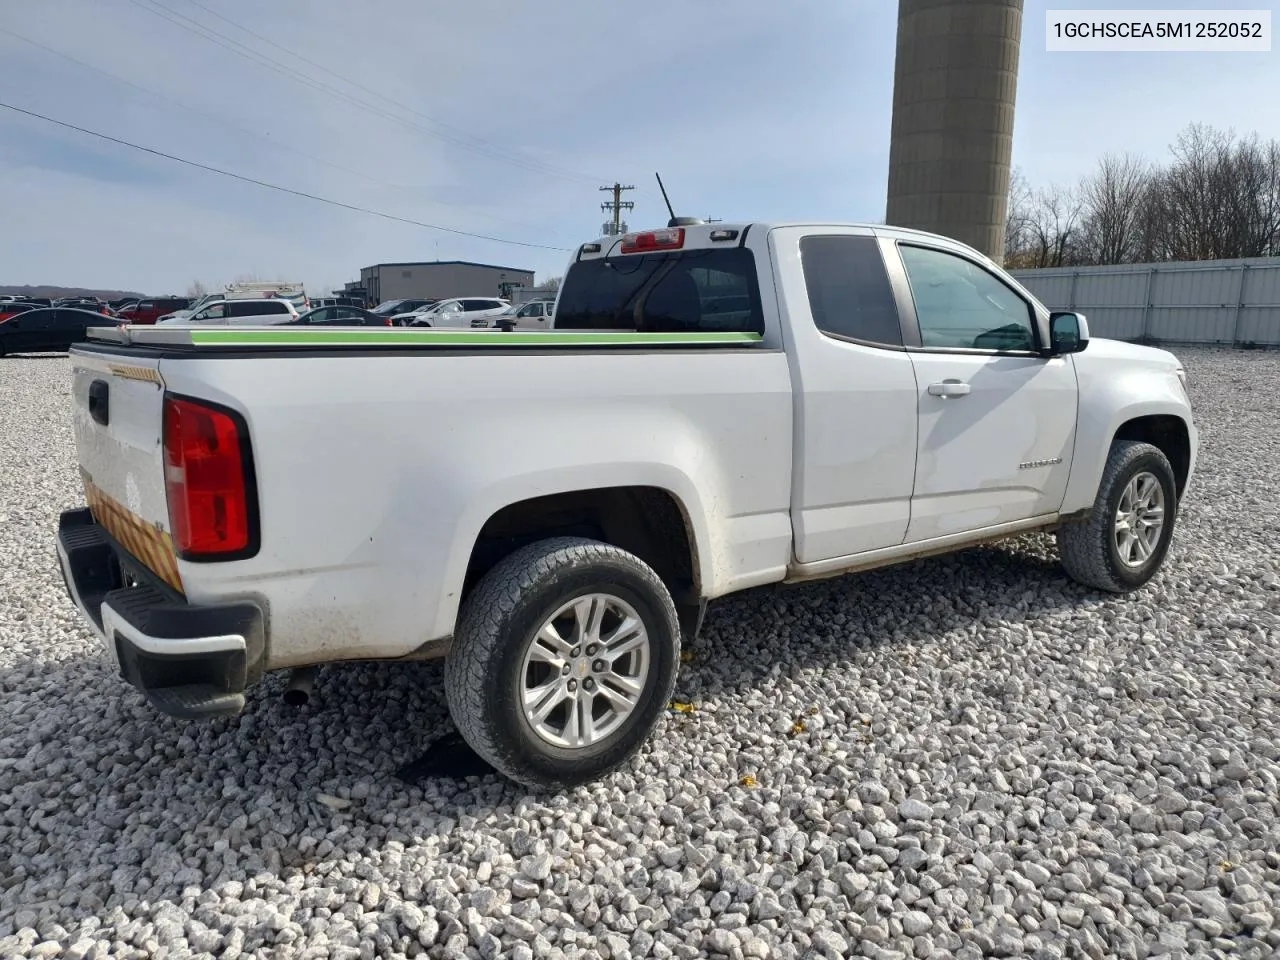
(206, 481)
(389, 323)
(670, 239)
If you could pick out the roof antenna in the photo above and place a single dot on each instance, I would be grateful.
(675, 221)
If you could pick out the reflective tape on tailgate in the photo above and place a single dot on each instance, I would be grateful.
(149, 543)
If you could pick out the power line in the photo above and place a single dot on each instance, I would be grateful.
(274, 141)
(205, 32)
(273, 186)
(329, 71)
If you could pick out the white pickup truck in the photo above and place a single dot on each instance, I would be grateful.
(718, 407)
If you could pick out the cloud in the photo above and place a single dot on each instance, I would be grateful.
(504, 119)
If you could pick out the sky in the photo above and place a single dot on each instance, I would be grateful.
(498, 118)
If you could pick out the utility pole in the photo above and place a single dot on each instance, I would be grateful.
(614, 208)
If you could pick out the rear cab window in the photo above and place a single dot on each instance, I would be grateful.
(678, 291)
(849, 292)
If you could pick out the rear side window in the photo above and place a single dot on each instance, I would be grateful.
(251, 308)
(849, 291)
(689, 291)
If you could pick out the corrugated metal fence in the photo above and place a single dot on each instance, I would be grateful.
(1234, 302)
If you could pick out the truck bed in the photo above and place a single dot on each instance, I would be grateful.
(378, 457)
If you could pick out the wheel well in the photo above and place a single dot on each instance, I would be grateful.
(1167, 432)
(646, 521)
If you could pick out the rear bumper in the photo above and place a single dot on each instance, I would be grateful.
(190, 662)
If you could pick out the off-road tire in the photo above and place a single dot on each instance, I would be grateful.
(482, 673)
(1088, 549)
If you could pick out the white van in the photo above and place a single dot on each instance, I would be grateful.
(250, 313)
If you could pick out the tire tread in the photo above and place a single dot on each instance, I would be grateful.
(481, 624)
(1083, 546)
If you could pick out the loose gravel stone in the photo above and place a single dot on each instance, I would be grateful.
(914, 810)
(964, 756)
(916, 922)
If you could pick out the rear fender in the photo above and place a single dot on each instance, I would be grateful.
(480, 505)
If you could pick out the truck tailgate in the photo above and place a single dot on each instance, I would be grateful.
(118, 420)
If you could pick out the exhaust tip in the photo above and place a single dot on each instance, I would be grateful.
(301, 682)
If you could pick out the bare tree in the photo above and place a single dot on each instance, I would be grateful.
(1052, 228)
(1217, 198)
(1251, 191)
(196, 289)
(1111, 202)
(1017, 229)
(1221, 197)
(1194, 208)
(551, 283)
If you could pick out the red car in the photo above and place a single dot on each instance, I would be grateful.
(11, 308)
(151, 309)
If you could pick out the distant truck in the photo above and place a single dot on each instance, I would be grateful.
(717, 407)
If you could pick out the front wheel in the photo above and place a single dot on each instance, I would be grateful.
(1126, 538)
(565, 654)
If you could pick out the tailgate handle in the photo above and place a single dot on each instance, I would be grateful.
(98, 401)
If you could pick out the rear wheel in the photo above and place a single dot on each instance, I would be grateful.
(1126, 538)
(565, 655)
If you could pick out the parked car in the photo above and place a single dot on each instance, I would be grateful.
(149, 310)
(396, 308)
(47, 329)
(192, 307)
(730, 405)
(534, 315)
(341, 317)
(11, 308)
(36, 301)
(238, 312)
(466, 313)
(94, 305)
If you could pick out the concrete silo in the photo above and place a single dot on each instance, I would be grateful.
(954, 84)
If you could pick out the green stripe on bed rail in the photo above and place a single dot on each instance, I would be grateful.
(489, 338)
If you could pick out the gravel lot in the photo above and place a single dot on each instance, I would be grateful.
(966, 756)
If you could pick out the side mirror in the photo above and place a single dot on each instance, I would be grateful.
(1069, 332)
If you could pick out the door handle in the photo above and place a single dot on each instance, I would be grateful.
(949, 388)
(99, 398)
